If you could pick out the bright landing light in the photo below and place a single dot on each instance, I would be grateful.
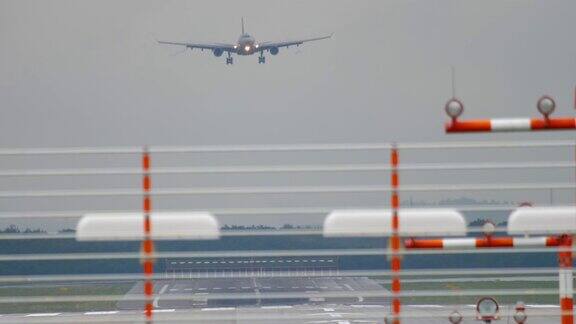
(246, 48)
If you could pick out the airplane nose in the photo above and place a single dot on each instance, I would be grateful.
(247, 48)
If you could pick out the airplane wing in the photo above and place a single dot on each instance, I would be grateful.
(209, 46)
(269, 45)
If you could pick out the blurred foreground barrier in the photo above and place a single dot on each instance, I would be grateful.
(164, 226)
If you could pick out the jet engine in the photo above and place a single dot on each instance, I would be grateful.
(218, 52)
(273, 50)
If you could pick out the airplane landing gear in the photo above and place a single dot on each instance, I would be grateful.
(261, 58)
(229, 59)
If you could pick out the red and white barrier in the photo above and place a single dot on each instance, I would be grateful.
(510, 125)
(482, 242)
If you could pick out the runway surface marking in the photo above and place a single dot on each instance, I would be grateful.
(43, 314)
(163, 290)
(101, 313)
(163, 310)
(328, 314)
(368, 306)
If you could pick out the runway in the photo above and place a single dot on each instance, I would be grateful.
(233, 292)
(247, 300)
(289, 314)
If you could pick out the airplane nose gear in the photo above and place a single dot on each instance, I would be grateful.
(229, 59)
(261, 58)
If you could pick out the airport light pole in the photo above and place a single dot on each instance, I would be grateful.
(546, 106)
(526, 220)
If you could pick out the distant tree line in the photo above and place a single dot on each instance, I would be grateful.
(13, 229)
(267, 227)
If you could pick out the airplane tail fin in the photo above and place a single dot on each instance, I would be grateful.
(243, 26)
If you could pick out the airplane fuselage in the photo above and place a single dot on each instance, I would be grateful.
(246, 45)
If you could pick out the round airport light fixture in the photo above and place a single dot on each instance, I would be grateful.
(520, 315)
(488, 228)
(454, 108)
(546, 106)
(455, 317)
(487, 309)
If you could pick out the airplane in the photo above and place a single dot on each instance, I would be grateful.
(246, 45)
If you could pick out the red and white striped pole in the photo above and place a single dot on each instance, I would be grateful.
(395, 237)
(147, 243)
(565, 280)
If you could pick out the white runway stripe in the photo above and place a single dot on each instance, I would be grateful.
(43, 314)
(543, 306)
(163, 310)
(101, 313)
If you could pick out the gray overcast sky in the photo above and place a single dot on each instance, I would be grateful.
(89, 73)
